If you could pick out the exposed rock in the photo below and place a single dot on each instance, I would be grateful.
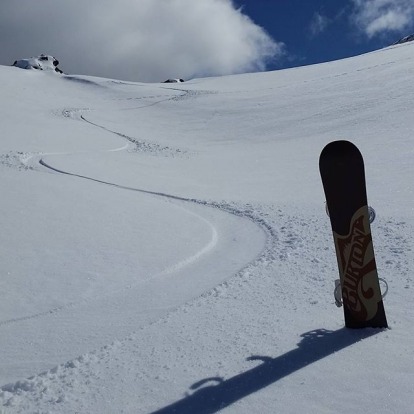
(174, 81)
(42, 62)
(405, 39)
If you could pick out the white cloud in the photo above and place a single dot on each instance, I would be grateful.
(146, 40)
(318, 24)
(374, 17)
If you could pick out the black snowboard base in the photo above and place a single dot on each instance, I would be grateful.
(343, 176)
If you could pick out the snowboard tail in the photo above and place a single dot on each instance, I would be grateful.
(343, 176)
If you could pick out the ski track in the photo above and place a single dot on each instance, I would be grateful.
(23, 160)
(27, 161)
(140, 145)
(32, 161)
(164, 273)
(280, 243)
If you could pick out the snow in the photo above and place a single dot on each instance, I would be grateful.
(165, 248)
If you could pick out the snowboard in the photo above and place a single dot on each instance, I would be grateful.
(343, 176)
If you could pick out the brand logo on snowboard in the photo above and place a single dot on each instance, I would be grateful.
(359, 280)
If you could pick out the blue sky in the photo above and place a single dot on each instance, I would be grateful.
(315, 31)
(152, 40)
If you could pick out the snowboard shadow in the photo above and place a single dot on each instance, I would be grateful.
(213, 394)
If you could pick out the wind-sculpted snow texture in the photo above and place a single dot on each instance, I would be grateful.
(165, 247)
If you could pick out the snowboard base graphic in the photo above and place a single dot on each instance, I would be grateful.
(343, 176)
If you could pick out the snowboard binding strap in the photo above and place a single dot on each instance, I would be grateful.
(338, 293)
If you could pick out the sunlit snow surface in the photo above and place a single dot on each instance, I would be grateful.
(165, 247)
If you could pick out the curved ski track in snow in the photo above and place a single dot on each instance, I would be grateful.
(37, 159)
(125, 296)
(176, 267)
(269, 231)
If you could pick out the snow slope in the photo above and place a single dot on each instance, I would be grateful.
(165, 248)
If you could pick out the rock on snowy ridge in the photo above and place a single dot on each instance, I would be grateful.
(405, 39)
(42, 62)
(174, 81)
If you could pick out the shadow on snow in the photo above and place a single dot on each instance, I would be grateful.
(213, 394)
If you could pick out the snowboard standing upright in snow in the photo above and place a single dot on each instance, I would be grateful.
(342, 170)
